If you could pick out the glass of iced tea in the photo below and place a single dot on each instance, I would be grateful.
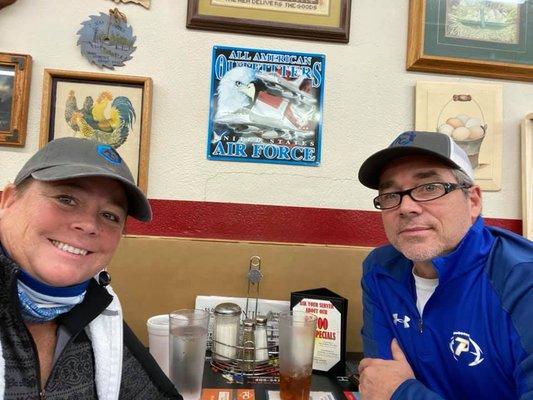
(296, 345)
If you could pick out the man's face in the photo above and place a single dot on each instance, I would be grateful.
(423, 231)
(63, 232)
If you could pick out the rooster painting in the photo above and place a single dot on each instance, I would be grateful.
(108, 120)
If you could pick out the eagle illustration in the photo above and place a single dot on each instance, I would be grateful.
(263, 104)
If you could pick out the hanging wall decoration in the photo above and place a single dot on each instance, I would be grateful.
(5, 3)
(266, 106)
(144, 3)
(106, 39)
(471, 113)
(109, 108)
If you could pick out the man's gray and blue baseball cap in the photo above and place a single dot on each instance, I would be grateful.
(68, 158)
(437, 145)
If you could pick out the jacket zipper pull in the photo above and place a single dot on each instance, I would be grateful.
(421, 325)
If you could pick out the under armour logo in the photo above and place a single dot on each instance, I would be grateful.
(461, 343)
(404, 321)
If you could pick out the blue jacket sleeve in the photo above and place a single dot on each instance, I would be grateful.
(510, 268)
(376, 333)
(517, 300)
(414, 390)
(377, 336)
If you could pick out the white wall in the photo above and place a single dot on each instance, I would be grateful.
(369, 98)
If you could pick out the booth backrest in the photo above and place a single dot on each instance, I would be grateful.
(154, 275)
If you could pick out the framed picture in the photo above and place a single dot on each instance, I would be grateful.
(492, 39)
(113, 109)
(327, 20)
(527, 176)
(271, 113)
(471, 113)
(15, 76)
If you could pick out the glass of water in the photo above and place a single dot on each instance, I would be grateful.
(188, 341)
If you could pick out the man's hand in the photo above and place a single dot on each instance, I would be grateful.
(378, 379)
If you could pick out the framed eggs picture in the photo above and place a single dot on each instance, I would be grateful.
(472, 115)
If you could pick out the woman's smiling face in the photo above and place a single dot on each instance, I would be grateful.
(64, 232)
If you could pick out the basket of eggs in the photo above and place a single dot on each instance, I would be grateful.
(467, 130)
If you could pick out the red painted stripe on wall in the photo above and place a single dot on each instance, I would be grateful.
(231, 221)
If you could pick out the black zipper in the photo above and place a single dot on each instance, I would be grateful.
(421, 325)
(14, 293)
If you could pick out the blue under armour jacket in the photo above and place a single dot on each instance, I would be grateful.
(475, 337)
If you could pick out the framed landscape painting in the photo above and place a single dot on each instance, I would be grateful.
(15, 75)
(112, 109)
(489, 38)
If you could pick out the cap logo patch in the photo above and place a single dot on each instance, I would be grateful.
(405, 139)
(109, 153)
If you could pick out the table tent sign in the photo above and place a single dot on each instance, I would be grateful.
(330, 340)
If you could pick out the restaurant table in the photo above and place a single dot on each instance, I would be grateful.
(337, 385)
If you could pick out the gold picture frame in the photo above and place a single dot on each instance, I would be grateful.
(527, 176)
(434, 46)
(114, 109)
(15, 76)
(326, 20)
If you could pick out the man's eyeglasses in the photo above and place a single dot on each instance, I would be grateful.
(421, 193)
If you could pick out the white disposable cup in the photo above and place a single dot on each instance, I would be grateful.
(158, 340)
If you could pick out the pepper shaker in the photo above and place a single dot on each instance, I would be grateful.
(261, 344)
(248, 345)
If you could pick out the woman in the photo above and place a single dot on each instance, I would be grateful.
(61, 330)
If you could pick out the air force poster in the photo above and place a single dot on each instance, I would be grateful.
(266, 106)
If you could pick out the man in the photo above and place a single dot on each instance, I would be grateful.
(448, 305)
(61, 331)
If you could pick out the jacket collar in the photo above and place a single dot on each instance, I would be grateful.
(471, 252)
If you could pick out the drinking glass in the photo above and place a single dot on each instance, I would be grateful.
(188, 341)
(296, 346)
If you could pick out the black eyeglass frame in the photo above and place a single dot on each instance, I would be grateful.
(448, 187)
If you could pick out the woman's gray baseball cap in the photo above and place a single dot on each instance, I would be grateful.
(433, 144)
(70, 157)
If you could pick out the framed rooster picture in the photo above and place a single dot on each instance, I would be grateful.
(112, 109)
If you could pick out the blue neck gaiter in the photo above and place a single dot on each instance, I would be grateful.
(40, 302)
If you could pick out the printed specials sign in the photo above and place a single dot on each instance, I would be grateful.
(328, 332)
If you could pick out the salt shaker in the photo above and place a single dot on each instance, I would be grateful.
(261, 350)
(248, 345)
(226, 331)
